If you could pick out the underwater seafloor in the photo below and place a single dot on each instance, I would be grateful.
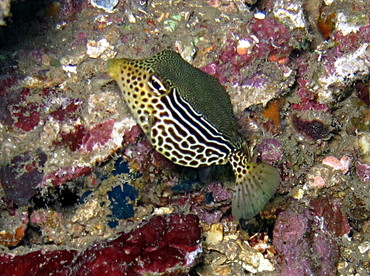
(84, 193)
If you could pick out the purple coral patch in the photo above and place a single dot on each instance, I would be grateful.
(38, 263)
(363, 171)
(73, 139)
(335, 220)
(270, 40)
(20, 178)
(67, 110)
(313, 129)
(219, 193)
(304, 244)
(272, 36)
(291, 245)
(308, 97)
(270, 150)
(362, 91)
(170, 243)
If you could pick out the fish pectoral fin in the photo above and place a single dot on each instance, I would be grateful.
(255, 186)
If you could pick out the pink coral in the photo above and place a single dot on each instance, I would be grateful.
(20, 178)
(271, 151)
(291, 244)
(98, 135)
(318, 181)
(219, 193)
(81, 138)
(308, 97)
(67, 110)
(27, 117)
(268, 39)
(341, 165)
(62, 175)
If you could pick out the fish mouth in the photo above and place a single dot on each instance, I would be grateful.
(113, 68)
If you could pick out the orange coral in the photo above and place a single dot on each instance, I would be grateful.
(272, 114)
(325, 23)
(9, 239)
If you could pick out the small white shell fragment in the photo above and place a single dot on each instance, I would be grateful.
(70, 68)
(244, 43)
(163, 211)
(255, 39)
(186, 50)
(106, 5)
(96, 48)
(131, 17)
(290, 12)
(362, 144)
(297, 193)
(260, 15)
(192, 256)
(216, 234)
(328, 2)
(265, 265)
(287, 72)
(31, 81)
(244, 47)
(347, 25)
(365, 246)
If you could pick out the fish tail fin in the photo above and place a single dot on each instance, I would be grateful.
(255, 186)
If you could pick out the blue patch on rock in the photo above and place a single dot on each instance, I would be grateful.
(186, 186)
(84, 197)
(120, 167)
(120, 206)
(208, 198)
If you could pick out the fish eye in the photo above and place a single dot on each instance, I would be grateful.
(156, 85)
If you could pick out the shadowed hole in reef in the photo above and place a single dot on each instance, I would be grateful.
(57, 197)
(33, 235)
(258, 225)
(28, 20)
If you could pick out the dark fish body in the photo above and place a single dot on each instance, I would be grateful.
(187, 116)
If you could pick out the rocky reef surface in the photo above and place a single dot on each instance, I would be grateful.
(84, 193)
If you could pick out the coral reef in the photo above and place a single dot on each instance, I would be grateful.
(81, 185)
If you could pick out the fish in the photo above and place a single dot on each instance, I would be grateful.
(187, 117)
